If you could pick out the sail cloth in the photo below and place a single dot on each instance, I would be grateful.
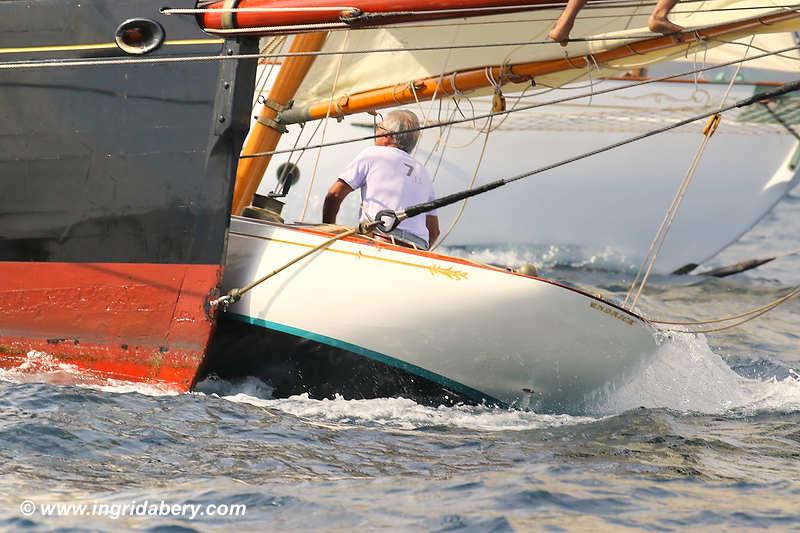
(788, 62)
(604, 28)
(514, 33)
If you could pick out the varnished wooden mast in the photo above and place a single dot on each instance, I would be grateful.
(265, 133)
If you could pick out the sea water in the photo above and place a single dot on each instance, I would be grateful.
(706, 436)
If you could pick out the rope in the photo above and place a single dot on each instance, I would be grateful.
(265, 74)
(540, 104)
(32, 64)
(234, 295)
(463, 206)
(425, 116)
(441, 142)
(658, 241)
(395, 218)
(754, 47)
(488, 130)
(791, 294)
(672, 211)
(324, 129)
(762, 311)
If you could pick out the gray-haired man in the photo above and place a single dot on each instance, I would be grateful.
(389, 178)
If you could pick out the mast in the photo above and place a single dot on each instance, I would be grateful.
(265, 133)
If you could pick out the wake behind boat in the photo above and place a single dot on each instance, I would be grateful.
(367, 319)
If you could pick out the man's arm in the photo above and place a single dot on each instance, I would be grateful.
(333, 200)
(432, 222)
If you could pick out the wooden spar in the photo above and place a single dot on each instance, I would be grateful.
(352, 13)
(265, 133)
(469, 80)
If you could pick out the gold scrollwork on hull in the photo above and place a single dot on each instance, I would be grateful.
(448, 272)
(435, 270)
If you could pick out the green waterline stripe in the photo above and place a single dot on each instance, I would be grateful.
(464, 390)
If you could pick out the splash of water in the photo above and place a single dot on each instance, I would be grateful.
(686, 375)
(547, 256)
(397, 413)
(41, 367)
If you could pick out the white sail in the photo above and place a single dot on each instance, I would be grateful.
(604, 29)
(753, 45)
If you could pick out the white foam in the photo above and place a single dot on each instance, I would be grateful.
(546, 256)
(41, 367)
(398, 413)
(687, 375)
(249, 386)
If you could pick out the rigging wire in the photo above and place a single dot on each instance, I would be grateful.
(425, 115)
(463, 205)
(754, 47)
(264, 75)
(771, 305)
(234, 295)
(779, 119)
(324, 130)
(68, 62)
(661, 235)
(538, 104)
(390, 219)
(748, 317)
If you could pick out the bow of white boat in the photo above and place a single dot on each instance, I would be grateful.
(484, 333)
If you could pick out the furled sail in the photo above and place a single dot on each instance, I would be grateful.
(428, 40)
(754, 45)
(614, 27)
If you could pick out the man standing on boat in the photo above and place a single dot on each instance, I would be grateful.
(389, 178)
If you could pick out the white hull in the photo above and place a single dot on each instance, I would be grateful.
(613, 202)
(481, 332)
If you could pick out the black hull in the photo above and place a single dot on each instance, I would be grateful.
(116, 182)
(293, 365)
(115, 163)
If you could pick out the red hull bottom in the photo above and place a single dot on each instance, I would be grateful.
(128, 321)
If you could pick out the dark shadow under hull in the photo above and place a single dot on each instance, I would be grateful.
(294, 365)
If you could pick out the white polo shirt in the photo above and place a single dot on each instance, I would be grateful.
(389, 178)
